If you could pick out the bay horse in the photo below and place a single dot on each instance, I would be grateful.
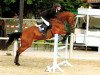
(32, 33)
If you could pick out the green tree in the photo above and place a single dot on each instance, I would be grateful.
(71, 5)
(37, 6)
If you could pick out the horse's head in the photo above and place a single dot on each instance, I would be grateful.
(68, 17)
(58, 23)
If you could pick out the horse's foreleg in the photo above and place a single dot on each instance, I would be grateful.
(64, 38)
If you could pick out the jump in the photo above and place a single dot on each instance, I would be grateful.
(32, 33)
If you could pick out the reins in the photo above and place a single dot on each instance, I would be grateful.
(51, 32)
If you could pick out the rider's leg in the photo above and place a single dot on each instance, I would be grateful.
(48, 25)
(46, 22)
(45, 26)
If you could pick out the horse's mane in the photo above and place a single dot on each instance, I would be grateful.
(67, 14)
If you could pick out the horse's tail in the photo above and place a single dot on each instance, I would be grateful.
(12, 37)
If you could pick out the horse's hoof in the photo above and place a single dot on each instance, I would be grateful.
(17, 64)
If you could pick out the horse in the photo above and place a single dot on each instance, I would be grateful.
(32, 33)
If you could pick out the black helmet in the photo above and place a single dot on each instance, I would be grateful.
(56, 5)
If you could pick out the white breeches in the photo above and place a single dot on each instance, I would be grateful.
(46, 22)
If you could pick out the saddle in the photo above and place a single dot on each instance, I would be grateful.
(44, 28)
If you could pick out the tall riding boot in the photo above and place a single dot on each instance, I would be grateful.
(49, 27)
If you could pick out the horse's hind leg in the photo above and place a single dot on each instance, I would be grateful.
(16, 61)
(18, 52)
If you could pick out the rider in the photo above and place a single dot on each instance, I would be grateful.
(47, 15)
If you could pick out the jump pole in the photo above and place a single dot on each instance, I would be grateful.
(57, 65)
(71, 45)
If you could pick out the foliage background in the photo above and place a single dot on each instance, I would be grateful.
(33, 8)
